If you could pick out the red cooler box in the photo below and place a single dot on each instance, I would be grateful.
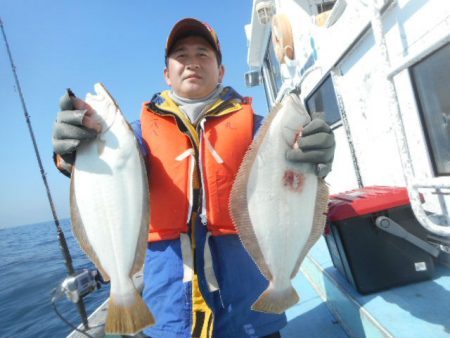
(375, 241)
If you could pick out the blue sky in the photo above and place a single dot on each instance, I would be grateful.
(68, 43)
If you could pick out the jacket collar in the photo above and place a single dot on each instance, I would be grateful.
(165, 103)
(162, 104)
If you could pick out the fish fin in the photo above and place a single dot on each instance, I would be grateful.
(141, 246)
(127, 317)
(318, 222)
(100, 146)
(80, 233)
(238, 200)
(276, 301)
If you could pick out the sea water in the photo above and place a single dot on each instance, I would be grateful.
(31, 266)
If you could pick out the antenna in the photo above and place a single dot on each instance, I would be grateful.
(61, 237)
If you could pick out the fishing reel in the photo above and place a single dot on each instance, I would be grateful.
(81, 284)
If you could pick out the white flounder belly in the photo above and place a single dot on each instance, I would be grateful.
(109, 190)
(278, 206)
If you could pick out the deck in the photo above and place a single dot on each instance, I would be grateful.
(330, 307)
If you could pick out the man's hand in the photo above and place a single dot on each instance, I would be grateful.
(74, 123)
(316, 146)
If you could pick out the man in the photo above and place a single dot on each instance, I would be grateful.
(199, 280)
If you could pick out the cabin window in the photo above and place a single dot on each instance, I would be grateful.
(271, 75)
(324, 6)
(323, 99)
(431, 79)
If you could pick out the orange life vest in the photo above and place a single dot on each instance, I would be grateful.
(171, 166)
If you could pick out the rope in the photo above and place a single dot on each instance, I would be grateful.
(55, 296)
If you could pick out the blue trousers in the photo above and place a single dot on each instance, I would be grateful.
(240, 284)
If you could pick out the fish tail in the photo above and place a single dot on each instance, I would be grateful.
(127, 317)
(276, 301)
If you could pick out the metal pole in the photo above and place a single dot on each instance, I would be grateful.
(61, 237)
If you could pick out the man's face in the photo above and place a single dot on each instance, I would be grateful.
(192, 69)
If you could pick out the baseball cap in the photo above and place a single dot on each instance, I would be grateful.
(189, 26)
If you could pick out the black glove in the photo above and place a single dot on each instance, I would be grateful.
(68, 130)
(316, 145)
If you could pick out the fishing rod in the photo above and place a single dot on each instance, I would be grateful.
(61, 237)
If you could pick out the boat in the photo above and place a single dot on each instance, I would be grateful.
(379, 71)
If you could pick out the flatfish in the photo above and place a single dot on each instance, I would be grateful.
(278, 207)
(110, 210)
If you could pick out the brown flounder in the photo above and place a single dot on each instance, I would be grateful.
(110, 210)
(279, 207)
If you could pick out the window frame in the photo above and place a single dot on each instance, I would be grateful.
(324, 81)
(271, 74)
